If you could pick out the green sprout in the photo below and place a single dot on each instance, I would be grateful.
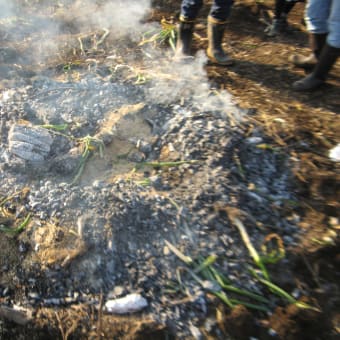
(141, 79)
(276, 251)
(167, 164)
(54, 127)
(89, 144)
(18, 229)
(252, 251)
(272, 257)
(204, 271)
(167, 35)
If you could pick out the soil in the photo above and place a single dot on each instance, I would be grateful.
(302, 126)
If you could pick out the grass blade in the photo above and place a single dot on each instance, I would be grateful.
(18, 229)
(252, 251)
(206, 263)
(186, 259)
(237, 290)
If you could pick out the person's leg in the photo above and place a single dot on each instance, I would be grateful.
(219, 12)
(316, 18)
(190, 9)
(189, 13)
(278, 8)
(316, 15)
(333, 38)
(281, 10)
(288, 6)
(330, 51)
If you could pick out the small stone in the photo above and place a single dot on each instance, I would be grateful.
(334, 153)
(288, 240)
(272, 332)
(196, 333)
(23, 247)
(144, 147)
(118, 290)
(166, 251)
(34, 295)
(254, 140)
(129, 304)
(136, 156)
(67, 163)
(98, 184)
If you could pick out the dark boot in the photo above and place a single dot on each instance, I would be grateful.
(184, 39)
(215, 51)
(327, 59)
(280, 23)
(278, 26)
(317, 42)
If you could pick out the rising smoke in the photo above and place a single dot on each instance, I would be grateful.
(49, 28)
(47, 25)
(6, 9)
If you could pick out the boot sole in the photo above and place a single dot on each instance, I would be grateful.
(304, 88)
(214, 61)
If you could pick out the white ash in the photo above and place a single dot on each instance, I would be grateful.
(126, 223)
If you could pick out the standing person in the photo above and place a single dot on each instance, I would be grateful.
(281, 11)
(323, 23)
(219, 12)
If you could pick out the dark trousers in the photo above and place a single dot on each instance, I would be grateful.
(283, 7)
(220, 9)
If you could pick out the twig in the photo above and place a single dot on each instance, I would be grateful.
(102, 39)
(81, 46)
(100, 316)
(60, 326)
(8, 198)
(309, 267)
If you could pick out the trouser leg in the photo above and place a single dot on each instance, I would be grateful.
(220, 10)
(190, 9)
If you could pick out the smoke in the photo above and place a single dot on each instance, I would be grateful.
(6, 9)
(52, 29)
(48, 29)
(171, 80)
(123, 17)
(187, 83)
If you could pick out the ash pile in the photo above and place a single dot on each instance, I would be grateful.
(112, 174)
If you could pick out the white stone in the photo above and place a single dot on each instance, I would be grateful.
(128, 304)
(334, 154)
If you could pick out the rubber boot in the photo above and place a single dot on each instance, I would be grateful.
(215, 51)
(280, 23)
(327, 59)
(317, 42)
(184, 39)
(278, 26)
